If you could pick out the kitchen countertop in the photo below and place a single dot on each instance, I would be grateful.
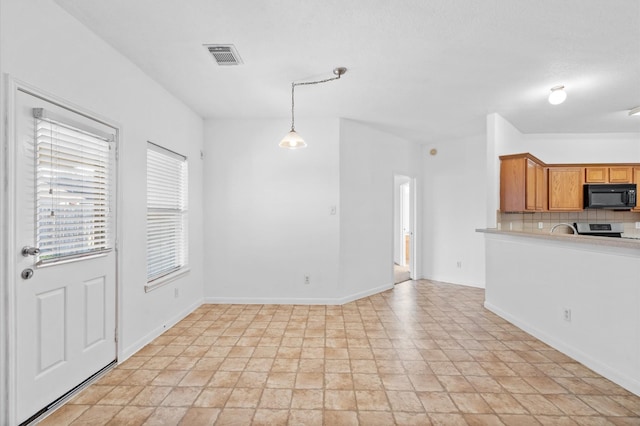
(632, 242)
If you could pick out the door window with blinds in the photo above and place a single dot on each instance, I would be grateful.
(166, 214)
(74, 188)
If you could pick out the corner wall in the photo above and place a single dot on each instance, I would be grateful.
(454, 200)
(368, 161)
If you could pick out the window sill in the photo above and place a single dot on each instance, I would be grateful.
(162, 281)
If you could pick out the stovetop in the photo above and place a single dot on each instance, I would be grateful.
(600, 229)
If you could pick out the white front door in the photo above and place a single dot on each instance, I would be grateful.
(65, 305)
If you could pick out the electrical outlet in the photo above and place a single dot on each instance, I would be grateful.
(333, 210)
(459, 264)
(566, 312)
(540, 225)
(176, 293)
(307, 280)
(637, 225)
(510, 226)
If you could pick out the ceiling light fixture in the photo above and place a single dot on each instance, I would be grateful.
(635, 111)
(293, 140)
(557, 95)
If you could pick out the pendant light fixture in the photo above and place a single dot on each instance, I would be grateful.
(293, 140)
(557, 95)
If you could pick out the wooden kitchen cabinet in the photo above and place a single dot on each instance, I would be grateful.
(565, 188)
(620, 174)
(596, 174)
(604, 174)
(522, 185)
(636, 180)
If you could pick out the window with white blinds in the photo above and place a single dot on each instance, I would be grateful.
(166, 212)
(73, 189)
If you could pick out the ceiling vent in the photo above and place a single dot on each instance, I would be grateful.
(224, 54)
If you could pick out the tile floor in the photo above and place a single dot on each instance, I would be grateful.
(423, 353)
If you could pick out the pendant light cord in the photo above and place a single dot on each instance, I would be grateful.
(307, 83)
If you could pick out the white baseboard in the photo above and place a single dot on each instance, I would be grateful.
(125, 353)
(296, 300)
(365, 293)
(605, 370)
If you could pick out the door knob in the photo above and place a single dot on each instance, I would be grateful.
(27, 273)
(30, 251)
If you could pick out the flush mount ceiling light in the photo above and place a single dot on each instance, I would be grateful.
(293, 140)
(635, 111)
(557, 95)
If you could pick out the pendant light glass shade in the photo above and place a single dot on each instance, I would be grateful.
(557, 95)
(292, 140)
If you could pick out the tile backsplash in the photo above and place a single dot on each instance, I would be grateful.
(531, 222)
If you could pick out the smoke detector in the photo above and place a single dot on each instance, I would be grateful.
(224, 54)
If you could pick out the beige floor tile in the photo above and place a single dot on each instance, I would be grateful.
(131, 416)
(404, 401)
(96, 415)
(339, 400)
(307, 399)
(483, 420)
(181, 397)
(120, 395)
(519, 420)
(244, 398)
(235, 417)
(269, 417)
(196, 378)
(371, 400)
(306, 418)
(92, 394)
(410, 419)
(309, 381)
(437, 402)
(64, 415)
(213, 397)
(169, 378)
(367, 381)
(343, 418)
(447, 419)
(276, 398)
(556, 421)
(151, 396)
(396, 382)
(470, 403)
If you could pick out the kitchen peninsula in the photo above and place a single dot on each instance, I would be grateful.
(579, 294)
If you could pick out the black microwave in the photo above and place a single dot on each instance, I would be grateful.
(613, 196)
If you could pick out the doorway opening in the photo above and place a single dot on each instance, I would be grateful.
(403, 228)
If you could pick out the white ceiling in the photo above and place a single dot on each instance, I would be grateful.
(425, 70)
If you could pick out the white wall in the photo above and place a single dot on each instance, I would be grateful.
(47, 48)
(530, 281)
(369, 159)
(581, 148)
(454, 199)
(267, 210)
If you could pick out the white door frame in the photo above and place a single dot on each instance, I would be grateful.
(8, 315)
(413, 221)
